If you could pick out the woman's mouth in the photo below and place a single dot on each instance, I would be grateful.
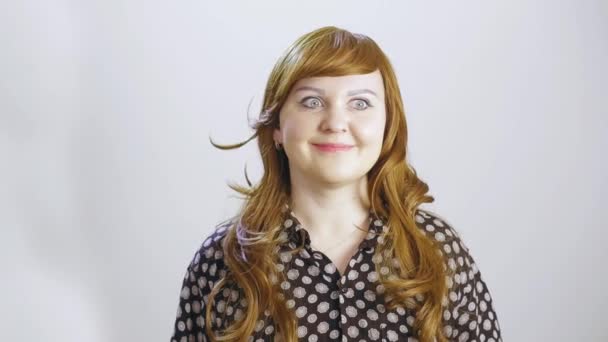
(333, 147)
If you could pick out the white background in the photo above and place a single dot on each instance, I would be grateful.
(109, 182)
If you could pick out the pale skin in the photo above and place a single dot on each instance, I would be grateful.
(329, 189)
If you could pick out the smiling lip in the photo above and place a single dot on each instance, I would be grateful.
(333, 147)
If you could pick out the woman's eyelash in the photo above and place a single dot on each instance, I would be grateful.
(366, 102)
(310, 98)
(316, 98)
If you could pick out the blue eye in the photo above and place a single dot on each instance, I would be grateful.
(314, 102)
(364, 102)
(311, 102)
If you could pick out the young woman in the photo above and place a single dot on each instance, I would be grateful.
(331, 243)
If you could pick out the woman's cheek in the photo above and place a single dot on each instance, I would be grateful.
(297, 131)
(370, 131)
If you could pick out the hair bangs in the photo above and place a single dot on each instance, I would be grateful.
(335, 53)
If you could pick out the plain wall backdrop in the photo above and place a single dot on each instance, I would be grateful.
(110, 184)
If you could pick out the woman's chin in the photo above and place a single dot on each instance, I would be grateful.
(339, 179)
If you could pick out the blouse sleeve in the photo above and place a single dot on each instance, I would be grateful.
(190, 321)
(469, 313)
(205, 269)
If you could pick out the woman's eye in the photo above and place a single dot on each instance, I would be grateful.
(311, 102)
(362, 104)
(314, 102)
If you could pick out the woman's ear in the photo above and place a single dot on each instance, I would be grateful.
(276, 135)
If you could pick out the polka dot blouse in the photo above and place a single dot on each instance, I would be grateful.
(331, 306)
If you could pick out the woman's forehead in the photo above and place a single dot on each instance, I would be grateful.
(347, 83)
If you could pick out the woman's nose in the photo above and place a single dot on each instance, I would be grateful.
(335, 119)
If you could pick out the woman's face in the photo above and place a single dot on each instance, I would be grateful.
(348, 110)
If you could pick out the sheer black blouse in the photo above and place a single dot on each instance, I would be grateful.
(331, 306)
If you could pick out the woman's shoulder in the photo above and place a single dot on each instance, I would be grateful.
(436, 226)
(208, 258)
(441, 231)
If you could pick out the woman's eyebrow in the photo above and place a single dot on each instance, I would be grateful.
(320, 91)
(361, 91)
(350, 93)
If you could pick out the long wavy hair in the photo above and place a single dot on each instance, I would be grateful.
(417, 275)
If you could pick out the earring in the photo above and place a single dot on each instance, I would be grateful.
(278, 146)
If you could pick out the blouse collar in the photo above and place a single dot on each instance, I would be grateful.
(292, 226)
